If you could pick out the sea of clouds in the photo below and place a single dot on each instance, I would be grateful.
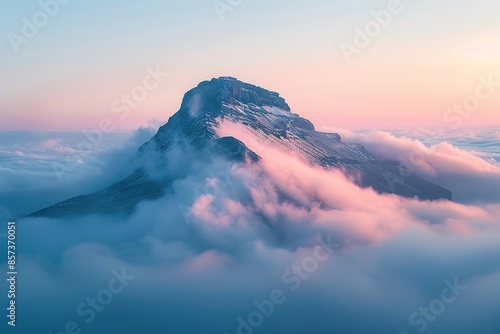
(276, 246)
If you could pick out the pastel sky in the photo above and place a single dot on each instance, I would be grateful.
(430, 56)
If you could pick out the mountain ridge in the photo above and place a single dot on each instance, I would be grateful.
(203, 123)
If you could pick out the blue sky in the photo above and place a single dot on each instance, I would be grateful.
(429, 57)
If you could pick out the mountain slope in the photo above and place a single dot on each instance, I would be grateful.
(210, 123)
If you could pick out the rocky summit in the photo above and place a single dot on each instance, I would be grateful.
(194, 133)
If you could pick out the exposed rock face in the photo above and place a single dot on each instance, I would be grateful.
(259, 112)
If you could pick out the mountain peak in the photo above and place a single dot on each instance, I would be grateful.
(228, 90)
(235, 90)
(218, 118)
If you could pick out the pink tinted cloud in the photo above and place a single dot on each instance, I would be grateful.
(469, 177)
(209, 260)
(288, 190)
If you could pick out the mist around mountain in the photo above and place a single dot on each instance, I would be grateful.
(232, 218)
(221, 118)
